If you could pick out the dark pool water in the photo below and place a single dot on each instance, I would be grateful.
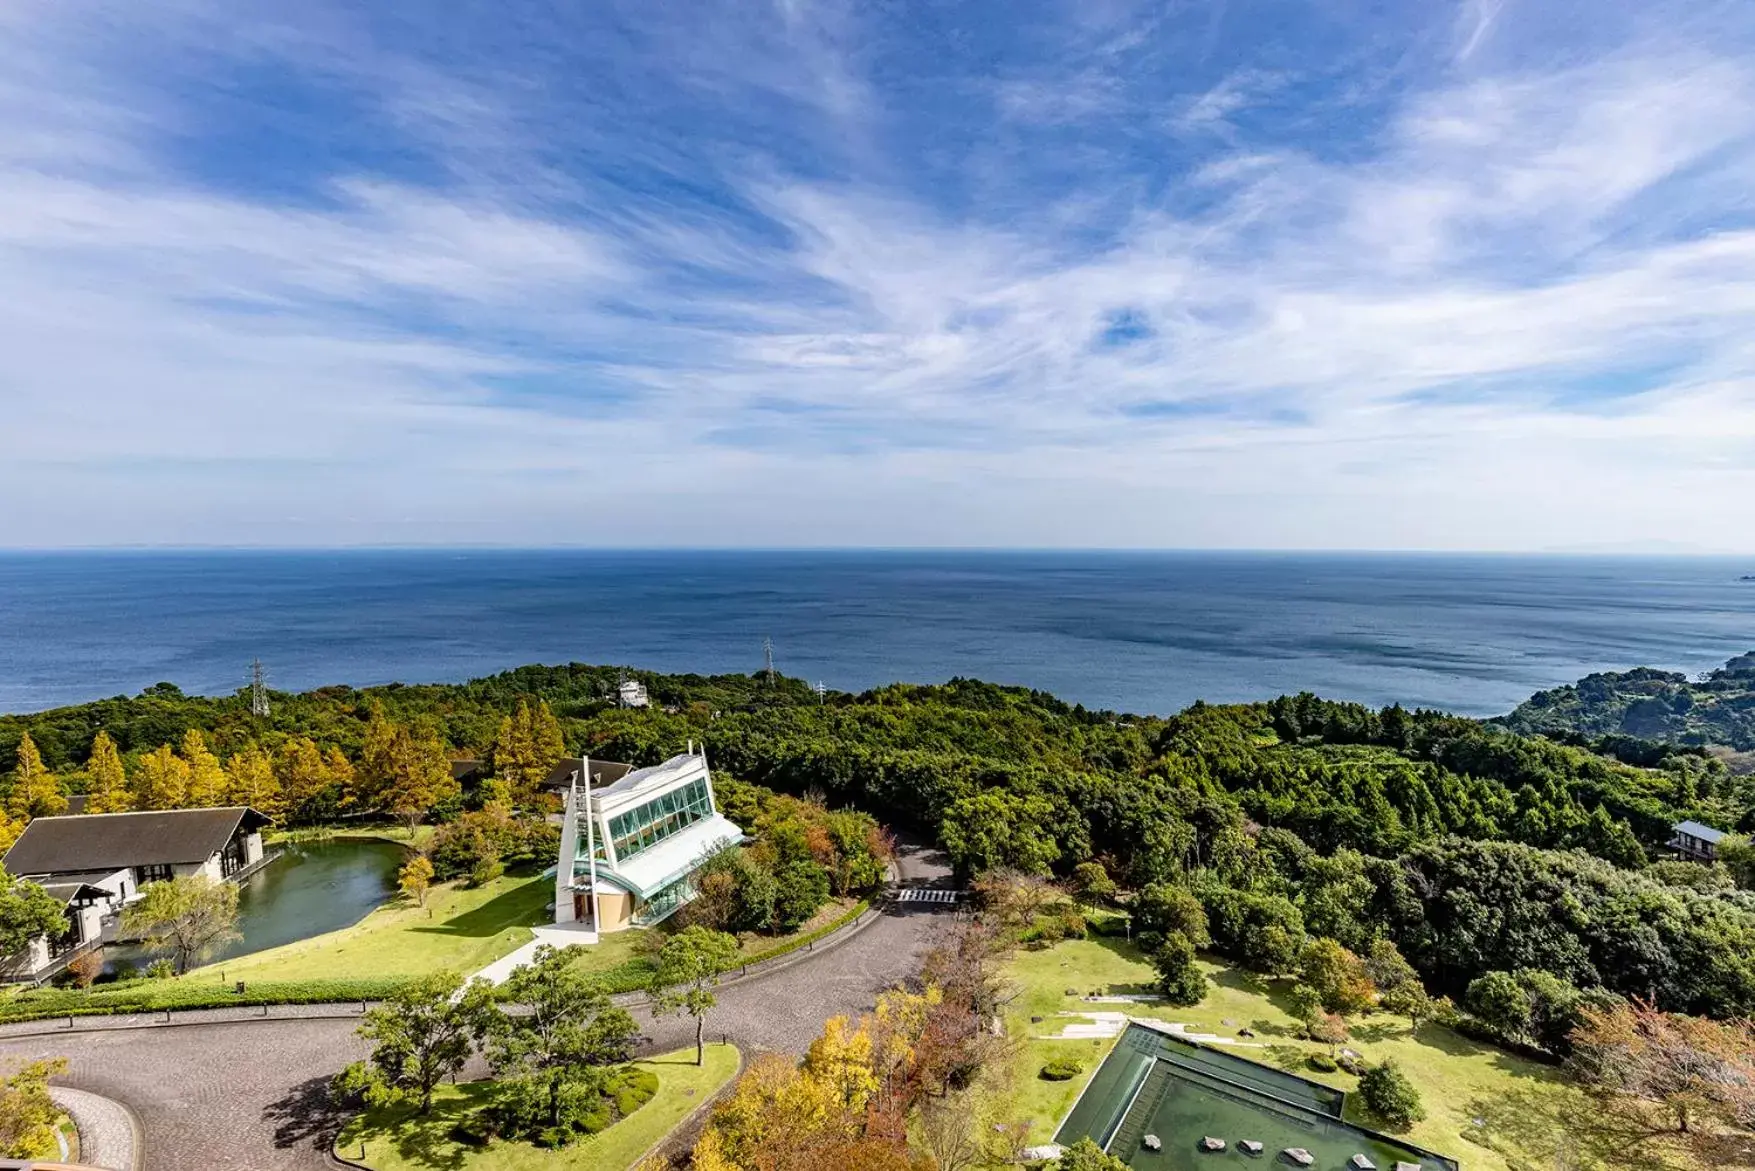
(311, 888)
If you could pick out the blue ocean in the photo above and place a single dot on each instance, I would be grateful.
(1142, 632)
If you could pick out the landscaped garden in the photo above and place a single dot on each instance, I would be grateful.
(1485, 1107)
(398, 1140)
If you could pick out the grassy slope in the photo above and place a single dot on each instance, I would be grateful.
(399, 1143)
(460, 929)
(1532, 1115)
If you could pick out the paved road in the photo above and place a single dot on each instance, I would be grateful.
(251, 1096)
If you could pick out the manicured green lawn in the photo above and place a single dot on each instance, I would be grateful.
(400, 1142)
(459, 929)
(1531, 1114)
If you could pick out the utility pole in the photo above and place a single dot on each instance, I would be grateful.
(768, 659)
(258, 689)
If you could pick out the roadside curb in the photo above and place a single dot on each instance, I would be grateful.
(178, 1020)
(77, 1102)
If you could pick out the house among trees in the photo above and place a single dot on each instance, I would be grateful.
(93, 863)
(1693, 840)
(118, 853)
(634, 838)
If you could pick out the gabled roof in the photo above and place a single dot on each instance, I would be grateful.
(111, 841)
(1704, 832)
(603, 772)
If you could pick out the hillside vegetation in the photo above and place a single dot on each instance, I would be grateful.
(1717, 709)
(1473, 848)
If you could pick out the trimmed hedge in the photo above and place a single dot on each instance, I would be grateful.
(137, 996)
(1061, 1069)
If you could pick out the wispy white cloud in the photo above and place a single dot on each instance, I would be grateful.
(652, 303)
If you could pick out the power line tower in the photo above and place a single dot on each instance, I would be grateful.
(821, 689)
(768, 660)
(258, 689)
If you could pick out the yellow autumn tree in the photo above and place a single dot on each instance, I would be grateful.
(36, 792)
(109, 782)
(161, 780)
(303, 779)
(818, 1113)
(207, 780)
(841, 1059)
(526, 747)
(250, 780)
(10, 828)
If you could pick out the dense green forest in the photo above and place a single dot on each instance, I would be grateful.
(1474, 848)
(1666, 706)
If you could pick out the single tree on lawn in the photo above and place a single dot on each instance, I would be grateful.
(423, 1033)
(416, 877)
(188, 916)
(566, 1025)
(688, 971)
(1179, 978)
(27, 911)
(1391, 1096)
(1692, 1067)
(1330, 1028)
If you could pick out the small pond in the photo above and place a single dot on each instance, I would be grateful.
(313, 887)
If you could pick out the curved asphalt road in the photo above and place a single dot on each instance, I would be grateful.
(253, 1096)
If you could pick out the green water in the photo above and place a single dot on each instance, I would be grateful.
(311, 888)
(1153, 1084)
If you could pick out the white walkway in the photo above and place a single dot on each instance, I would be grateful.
(555, 935)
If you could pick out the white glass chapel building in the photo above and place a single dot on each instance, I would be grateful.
(631, 840)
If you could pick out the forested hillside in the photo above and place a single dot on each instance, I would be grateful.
(1473, 848)
(1650, 705)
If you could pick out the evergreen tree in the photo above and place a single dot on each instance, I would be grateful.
(207, 782)
(1180, 979)
(109, 783)
(161, 780)
(36, 792)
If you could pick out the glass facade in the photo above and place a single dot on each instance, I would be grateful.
(644, 826)
(664, 901)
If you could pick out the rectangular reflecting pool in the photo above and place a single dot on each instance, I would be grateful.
(1179, 1093)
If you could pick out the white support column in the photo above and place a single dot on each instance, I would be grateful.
(569, 851)
(590, 840)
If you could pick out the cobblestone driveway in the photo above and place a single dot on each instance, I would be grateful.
(250, 1096)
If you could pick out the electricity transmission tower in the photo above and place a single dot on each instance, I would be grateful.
(258, 689)
(820, 689)
(768, 659)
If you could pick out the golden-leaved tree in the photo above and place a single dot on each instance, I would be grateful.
(109, 781)
(526, 747)
(823, 1112)
(207, 780)
(36, 792)
(250, 780)
(161, 780)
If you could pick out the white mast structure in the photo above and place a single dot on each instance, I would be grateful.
(590, 837)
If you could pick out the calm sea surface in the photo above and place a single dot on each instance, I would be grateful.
(1135, 631)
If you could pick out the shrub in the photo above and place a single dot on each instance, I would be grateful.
(161, 969)
(1179, 978)
(1062, 1069)
(1322, 1062)
(1391, 1096)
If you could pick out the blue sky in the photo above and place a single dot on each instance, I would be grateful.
(1260, 274)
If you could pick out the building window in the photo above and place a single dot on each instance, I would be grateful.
(156, 872)
(645, 826)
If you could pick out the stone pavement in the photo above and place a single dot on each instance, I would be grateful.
(107, 1130)
(238, 1091)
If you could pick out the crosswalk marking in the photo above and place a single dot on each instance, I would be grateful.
(928, 894)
